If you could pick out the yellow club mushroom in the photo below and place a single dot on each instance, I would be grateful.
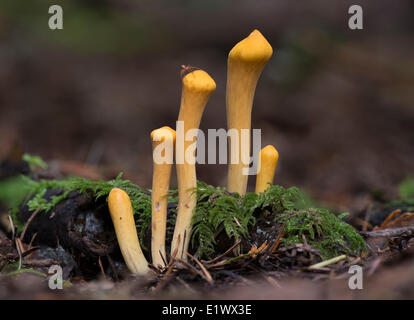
(245, 63)
(163, 140)
(197, 87)
(268, 158)
(122, 216)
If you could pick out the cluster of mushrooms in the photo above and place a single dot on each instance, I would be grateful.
(245, 63)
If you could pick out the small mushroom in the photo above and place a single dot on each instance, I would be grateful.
(197, 87)
(268, 158)
(163, 138)
(245, 64)
(122, 216)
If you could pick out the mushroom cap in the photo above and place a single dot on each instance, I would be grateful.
(269, 153)
(199, 81)
(254, 48)
(118, 197)
(162, 134)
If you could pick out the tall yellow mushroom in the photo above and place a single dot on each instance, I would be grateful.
(268, 158)
(163, 140)
(122, 216)
(245, 63)
(197, 87)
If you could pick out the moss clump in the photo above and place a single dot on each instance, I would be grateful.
(217, 210)
(323, 231)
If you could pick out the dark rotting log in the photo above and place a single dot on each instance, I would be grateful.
(79, 224)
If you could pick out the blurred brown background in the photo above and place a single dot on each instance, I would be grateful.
(338, 104)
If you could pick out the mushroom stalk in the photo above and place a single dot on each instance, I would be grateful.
(122, 216)
(245, 64)
(197, 87)
(268, 158)
(163, 156)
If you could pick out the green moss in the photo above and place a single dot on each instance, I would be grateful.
(217, 210)
(34, 161)
(323, 231)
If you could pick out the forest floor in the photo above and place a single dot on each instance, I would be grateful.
(265, 271)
